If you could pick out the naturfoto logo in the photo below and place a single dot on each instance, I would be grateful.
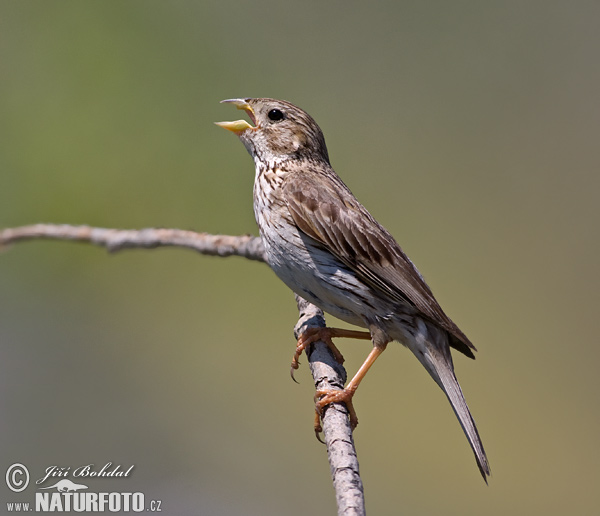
(60, 494)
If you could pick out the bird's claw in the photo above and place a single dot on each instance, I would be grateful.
(313, 335)
(324, 397)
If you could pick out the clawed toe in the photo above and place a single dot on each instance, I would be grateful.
(325, 397)
(313, 335)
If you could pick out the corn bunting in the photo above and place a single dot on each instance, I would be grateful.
(325, 246)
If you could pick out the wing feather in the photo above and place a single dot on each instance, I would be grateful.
(332, 216)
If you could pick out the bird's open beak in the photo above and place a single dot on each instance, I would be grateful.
(239, 126)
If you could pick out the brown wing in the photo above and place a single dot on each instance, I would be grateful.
(326, 211)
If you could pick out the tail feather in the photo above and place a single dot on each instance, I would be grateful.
(450, 385)
(437, 360)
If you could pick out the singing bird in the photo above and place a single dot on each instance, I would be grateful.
(326, 247)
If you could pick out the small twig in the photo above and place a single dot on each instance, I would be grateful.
(327, 373)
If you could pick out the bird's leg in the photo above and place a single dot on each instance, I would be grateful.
(324, 397)
(325, 334)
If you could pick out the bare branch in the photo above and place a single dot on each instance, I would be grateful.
(329, 374)
(114, 240)
(326, 371)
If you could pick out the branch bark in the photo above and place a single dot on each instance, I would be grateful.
(326, 371)
(330, 374)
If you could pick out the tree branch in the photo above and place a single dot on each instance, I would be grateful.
(327, 373)
(117, 239)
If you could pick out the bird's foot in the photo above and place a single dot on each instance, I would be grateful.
(313, 335)
(325, 397)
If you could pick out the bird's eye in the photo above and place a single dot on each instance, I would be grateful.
(275, 115)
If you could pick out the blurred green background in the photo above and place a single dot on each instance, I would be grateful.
(469, 129)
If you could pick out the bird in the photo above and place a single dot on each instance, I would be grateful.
(328, 249)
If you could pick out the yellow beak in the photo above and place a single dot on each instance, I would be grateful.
(239, 126)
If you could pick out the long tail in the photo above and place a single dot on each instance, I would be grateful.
(438, 363)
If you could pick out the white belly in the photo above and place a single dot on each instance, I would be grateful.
(314, 275)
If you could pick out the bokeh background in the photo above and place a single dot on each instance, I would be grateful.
(469, 129)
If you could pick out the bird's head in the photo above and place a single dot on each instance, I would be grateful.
(281, 131)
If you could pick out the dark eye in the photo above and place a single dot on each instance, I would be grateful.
(275, 115)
